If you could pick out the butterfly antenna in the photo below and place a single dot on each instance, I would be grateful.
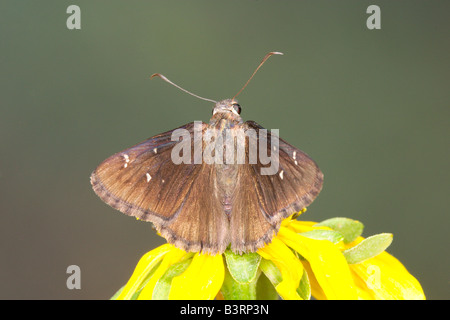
(260, 65)
(177, 86)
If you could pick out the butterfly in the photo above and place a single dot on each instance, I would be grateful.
(210, 206)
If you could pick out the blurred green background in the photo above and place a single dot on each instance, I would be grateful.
(370, 106)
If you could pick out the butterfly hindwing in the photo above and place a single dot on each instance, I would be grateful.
(262, 201)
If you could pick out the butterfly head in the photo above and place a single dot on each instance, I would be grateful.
(227, 110)
(227, 106)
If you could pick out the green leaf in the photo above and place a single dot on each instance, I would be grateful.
(330, 235)
(271, 271)
(264, 289)
(163, 285)
(233, 290)
(114, 297)
(368, 248)
(350, 229)
(133, 297)
(243, 268)
(304, 288)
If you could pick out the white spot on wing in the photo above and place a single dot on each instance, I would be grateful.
(127, 159)
(149, 177)
(294, 155)
(155, 150)
(281, 174)
(296, 163)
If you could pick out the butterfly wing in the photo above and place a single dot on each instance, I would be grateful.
(262, 201)
(144, 182)
(185, 203)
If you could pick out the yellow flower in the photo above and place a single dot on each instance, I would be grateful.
(327, 260)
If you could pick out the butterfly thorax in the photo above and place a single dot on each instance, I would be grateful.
(226, 122)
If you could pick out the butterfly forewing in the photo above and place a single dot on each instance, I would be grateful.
(134, 180)
(143, 181)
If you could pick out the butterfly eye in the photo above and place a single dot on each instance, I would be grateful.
(237, 108)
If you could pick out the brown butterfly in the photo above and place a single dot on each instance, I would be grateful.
(209, 205)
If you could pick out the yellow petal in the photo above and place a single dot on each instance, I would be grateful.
(202, 280)
(289, 265)
(384, 277)
(291, 218)
(304, 226)
(316, 290)
(144, 266)
(327, 262)
(173, 256)
(361, 289)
